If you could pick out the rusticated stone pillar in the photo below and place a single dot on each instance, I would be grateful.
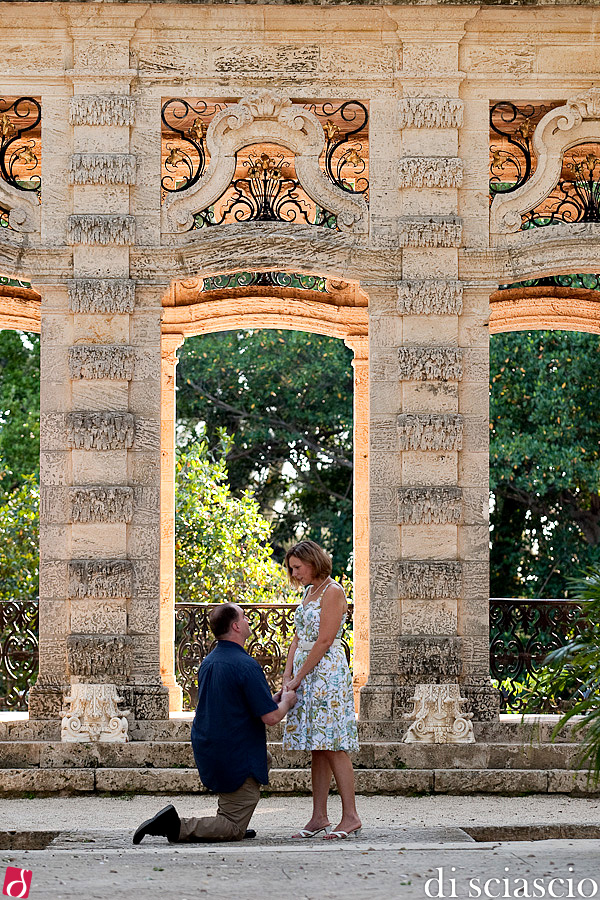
(360, 345)
(169, 346)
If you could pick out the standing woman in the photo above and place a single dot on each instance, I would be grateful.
(323, 720)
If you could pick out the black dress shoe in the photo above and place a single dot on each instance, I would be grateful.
(250, 833)
(165, 823)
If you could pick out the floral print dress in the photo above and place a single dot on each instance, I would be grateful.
(323, 717)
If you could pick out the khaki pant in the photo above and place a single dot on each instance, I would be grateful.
(231, 821)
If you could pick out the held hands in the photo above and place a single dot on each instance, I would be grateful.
(288, 696)
(294, 684)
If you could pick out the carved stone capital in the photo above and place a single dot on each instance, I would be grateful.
(101, 295)
(90, 228)
(93, 715)
(438, 718)
(103, 168)
(430, 363)
(429, 505)
(430, 431)
(93, 361)
(430, 171)
(430, 296)
(431, 112)
(100, 430)
(110, 109)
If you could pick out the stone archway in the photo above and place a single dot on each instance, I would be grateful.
(337, 309)
(544, 307)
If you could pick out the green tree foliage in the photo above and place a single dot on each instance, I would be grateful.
(222, 547)
(286, 397)
(19, 408)
(19, 530)
(544, 461)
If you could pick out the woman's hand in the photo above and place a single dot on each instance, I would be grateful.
(294, 684)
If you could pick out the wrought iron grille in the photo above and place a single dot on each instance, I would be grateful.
(265, 279)
(511, 132)
(272, 629)
(522, 633)
(18, 651)
(346, 132)
(19, 162)
(578, 282)
(186, 124)
(576, 197)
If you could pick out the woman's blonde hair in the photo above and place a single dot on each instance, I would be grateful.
(311, 553)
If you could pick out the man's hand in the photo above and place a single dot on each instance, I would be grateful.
(277, 696)
(288, 696)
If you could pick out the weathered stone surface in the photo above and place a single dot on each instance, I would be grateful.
(430, 171)
(42, 781)
(110, 109)
(430, 363)
(112, 361)
(430, 296)
(431, 112)
(425, 506)
(100, 578)
(430, 578)
(430, 431)
(100, 657)
(89, 228)
(429, 655)
(101, 295)
(101, 504)
(511, 782)
(100, 430)
(419, 231)
(103, 168)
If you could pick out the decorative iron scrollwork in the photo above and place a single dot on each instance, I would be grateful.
(187, 157)
(18, 651)
(19, 164)
(265, 279)
(270, 192)
(578, 282)
(511, 161)
(345, 160)
(576, 197)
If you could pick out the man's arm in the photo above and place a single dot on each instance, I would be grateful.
(288, 699)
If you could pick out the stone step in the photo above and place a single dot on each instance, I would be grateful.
(72, 781)
(372, 756)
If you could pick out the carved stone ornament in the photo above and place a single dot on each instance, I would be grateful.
(100, 656)
(102, 578)
(94, 715)
(431, 112)
(100, 430)
(421, 656)
(419, 231)
(101, 504)
(430, 171)
(438, 716)
(111, 109)
(115, 361)
(429, 505)
(430, 431)
(103, 168)
(429, 579)
(430, 363)
(89, 228)
(101, 295)
(23, 210)
(264, 116)
(577, 122)
(430, 296)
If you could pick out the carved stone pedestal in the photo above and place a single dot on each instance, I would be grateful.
(438, 717)
(94, 715)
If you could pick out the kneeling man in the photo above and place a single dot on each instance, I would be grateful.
(228, 735)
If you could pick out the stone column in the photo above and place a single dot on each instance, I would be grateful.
(360, 345)
(169, 346)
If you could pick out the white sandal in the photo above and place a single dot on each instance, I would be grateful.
(342, 835)
(306, 833)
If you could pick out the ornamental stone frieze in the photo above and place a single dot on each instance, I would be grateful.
(430, 363)
(95, 361)
(89, 228)
(101, 504)
(103, 168)
(420, 231)
(429, 655)
(430, 431)
(100, 430)
(101, 295)
(100, 656)
(104, 578)
(431, 112)
(429, 506)
(429, 579)
(430, 171)
(430, 296)
(438, 716)
(111, 109)
(93, 715)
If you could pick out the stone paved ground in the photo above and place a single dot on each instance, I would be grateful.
(405, 842)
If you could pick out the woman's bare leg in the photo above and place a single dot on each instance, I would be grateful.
(321, 780)
(341, 765)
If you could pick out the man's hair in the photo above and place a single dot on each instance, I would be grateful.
(311, 553)
(222, 617)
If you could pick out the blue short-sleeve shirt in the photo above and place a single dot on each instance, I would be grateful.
(228, 737)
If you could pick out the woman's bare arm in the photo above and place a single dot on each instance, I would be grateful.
(333, 607)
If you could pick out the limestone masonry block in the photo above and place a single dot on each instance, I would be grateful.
(430, 171)
(101, 229)
(430, 363)
(115, 361)
(101, 295)
(103, 168)
(429, 505)
(429, 579)
(100, 655)
(100, 578)
(101, 504)
(419, 231)
(430, 296)
(100, 430)
(430, 112)
(111, 109)
(430, 431)
(429, 655)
